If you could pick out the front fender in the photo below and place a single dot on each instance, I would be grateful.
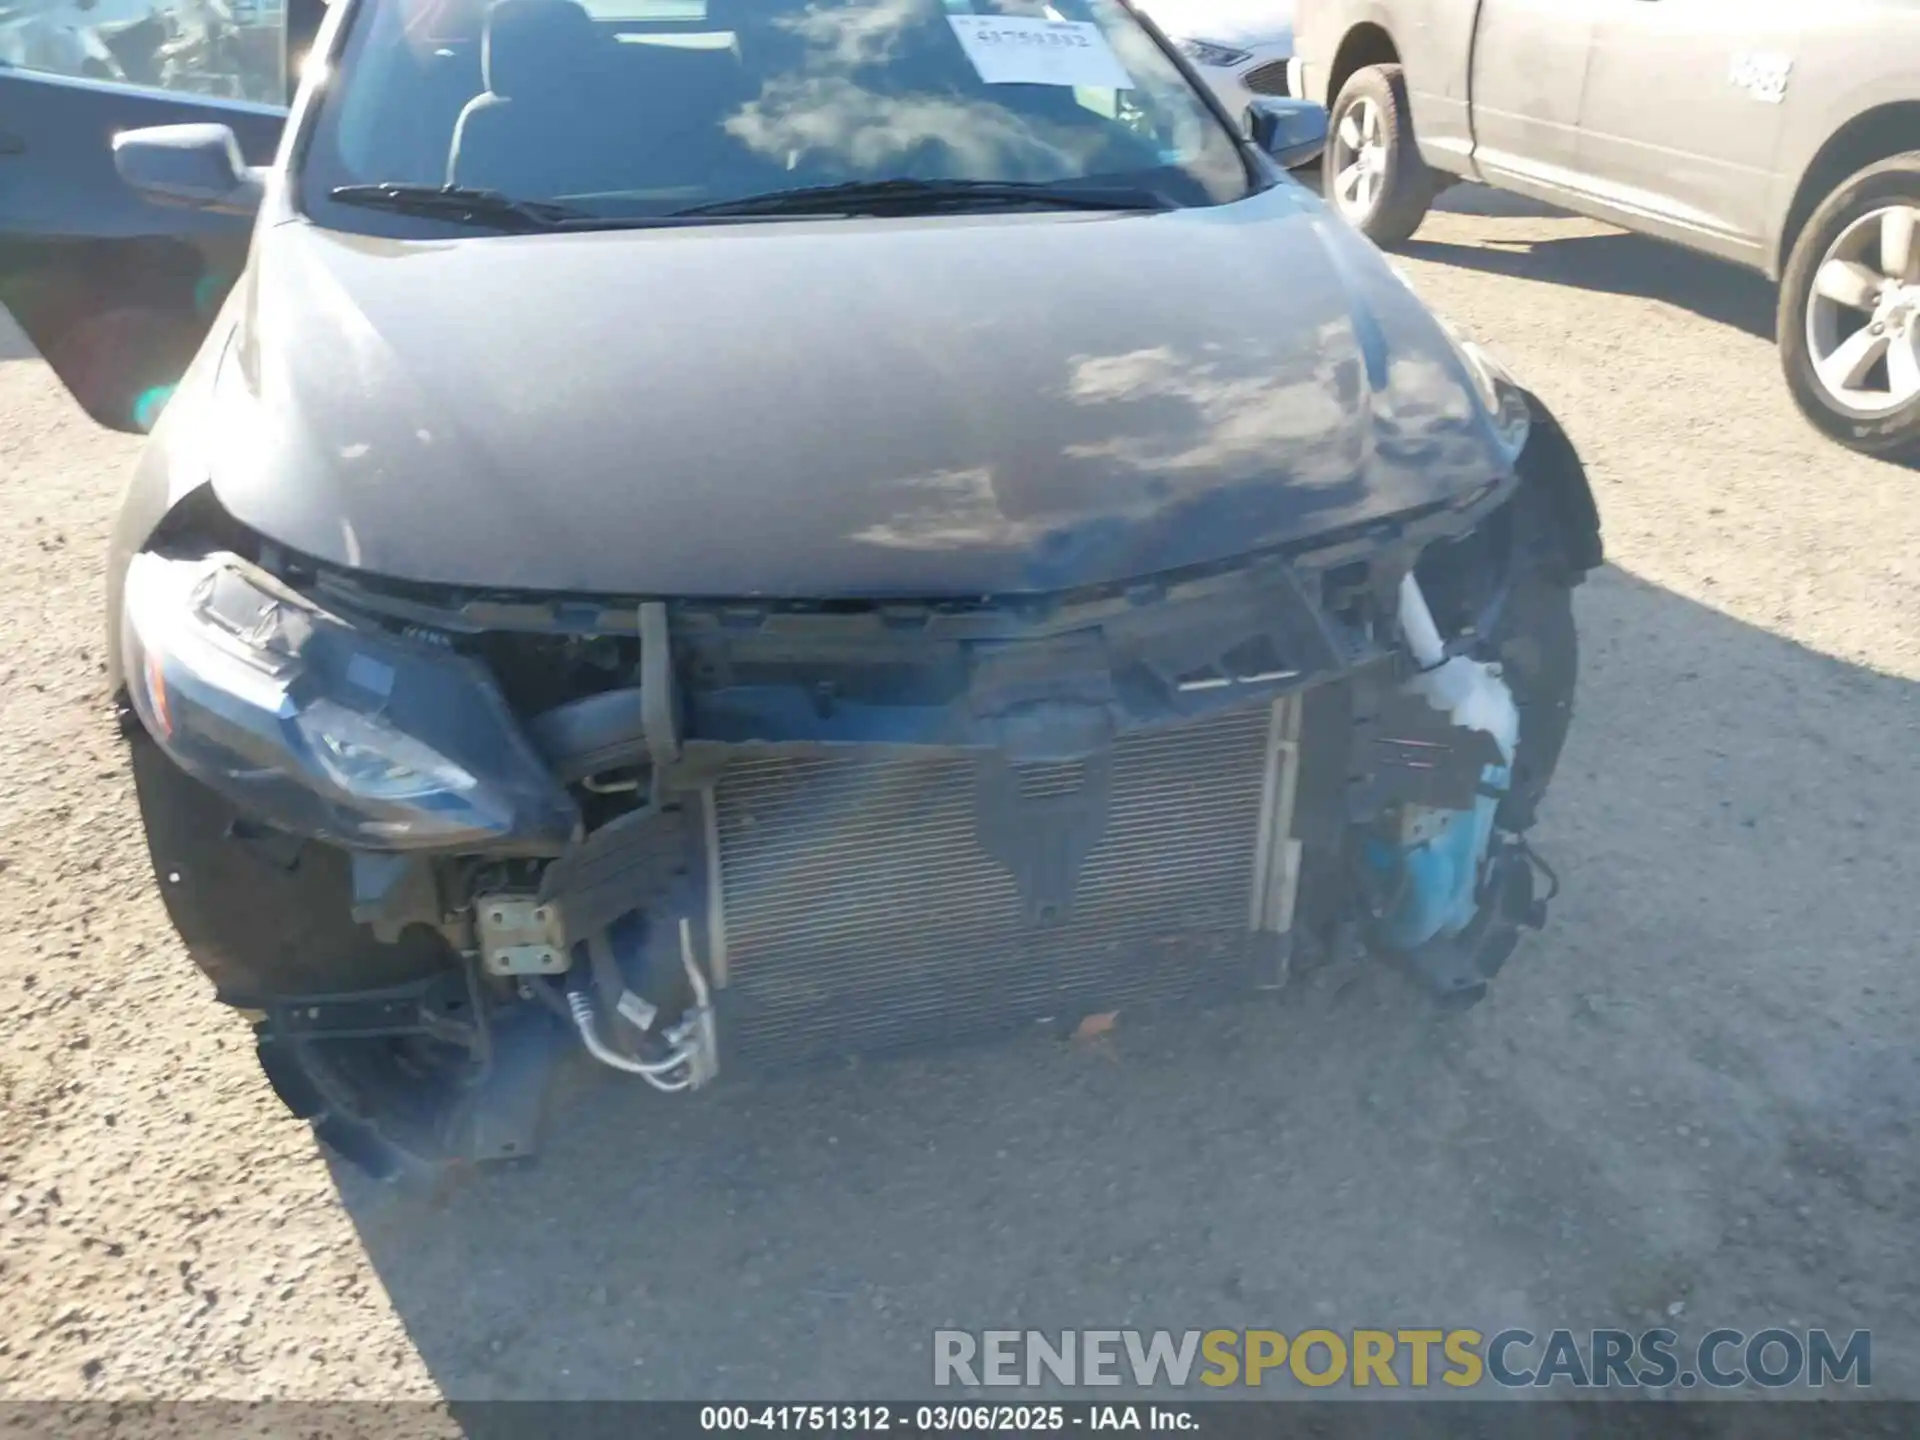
(171, 477)
(1550, 466)
(1550, 470)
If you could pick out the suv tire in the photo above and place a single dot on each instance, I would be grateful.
(1849, 318)
(1375, 177)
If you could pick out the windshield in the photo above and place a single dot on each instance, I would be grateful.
(640, 108)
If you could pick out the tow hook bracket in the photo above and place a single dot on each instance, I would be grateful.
(518, 935)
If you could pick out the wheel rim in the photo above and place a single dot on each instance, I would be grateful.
(1359, 159)
(1863, 313)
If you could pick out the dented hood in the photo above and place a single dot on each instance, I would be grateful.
(926, 406)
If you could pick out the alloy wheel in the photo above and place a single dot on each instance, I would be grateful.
(1863, 313)
(1359, 159)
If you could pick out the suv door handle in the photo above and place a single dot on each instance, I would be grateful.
(12, 144)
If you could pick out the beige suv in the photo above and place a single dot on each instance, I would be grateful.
(1778, 134)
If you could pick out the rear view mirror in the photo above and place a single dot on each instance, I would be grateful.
(197, 165)
(1293, 132)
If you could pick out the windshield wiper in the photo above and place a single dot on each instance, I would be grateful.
(462, 203)
(907, 194)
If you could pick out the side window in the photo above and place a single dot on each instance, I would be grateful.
(228, 48)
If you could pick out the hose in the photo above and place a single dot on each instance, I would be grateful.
(580, 1004)
(1416, 623)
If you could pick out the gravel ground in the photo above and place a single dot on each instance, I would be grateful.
(1694, 1091)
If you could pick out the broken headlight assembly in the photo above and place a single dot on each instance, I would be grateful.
(1499, 393)
(1505, 401)
(326, 728)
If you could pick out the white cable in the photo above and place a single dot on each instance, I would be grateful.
(580, 1004)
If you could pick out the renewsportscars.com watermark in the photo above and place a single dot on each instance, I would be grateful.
(1771, 1359)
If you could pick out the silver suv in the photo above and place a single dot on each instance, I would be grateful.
(1777, 134)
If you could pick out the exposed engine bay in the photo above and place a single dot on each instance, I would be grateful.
(699, 836)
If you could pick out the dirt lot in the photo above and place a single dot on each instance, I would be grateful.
(1692, 1097)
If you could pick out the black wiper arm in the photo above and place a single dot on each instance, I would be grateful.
(904, 193)
(462, 203)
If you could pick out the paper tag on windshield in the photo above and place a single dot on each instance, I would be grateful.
(1018, 50)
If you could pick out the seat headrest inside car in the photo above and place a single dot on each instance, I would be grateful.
(535, 46)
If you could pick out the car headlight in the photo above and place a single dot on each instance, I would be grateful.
(1500, 394)
(327, 729)
(1505, 402)
(1206, 52)
(367, 758)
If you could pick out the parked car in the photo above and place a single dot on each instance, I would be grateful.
(808, 576)
(1242, 48)
(194, 45)
(1784, 137)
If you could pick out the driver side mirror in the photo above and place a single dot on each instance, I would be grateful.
(1293, 132)
(194, 165)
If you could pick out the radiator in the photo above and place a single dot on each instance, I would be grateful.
(858, 910)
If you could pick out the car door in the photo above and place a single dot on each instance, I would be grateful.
(114, 290)
(1681, 119)
(1436, 43)
(1529, 64)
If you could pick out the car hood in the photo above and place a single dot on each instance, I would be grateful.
(862, 408)
(1225, 22)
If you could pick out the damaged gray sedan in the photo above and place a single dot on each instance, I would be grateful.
(727, 536)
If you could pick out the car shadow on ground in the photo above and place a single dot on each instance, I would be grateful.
(14, 344)
(1465, 197)
(1710, 1043)
(1617, 263)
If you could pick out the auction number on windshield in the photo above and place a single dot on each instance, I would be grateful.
(1059, 37)
(1016, 50)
